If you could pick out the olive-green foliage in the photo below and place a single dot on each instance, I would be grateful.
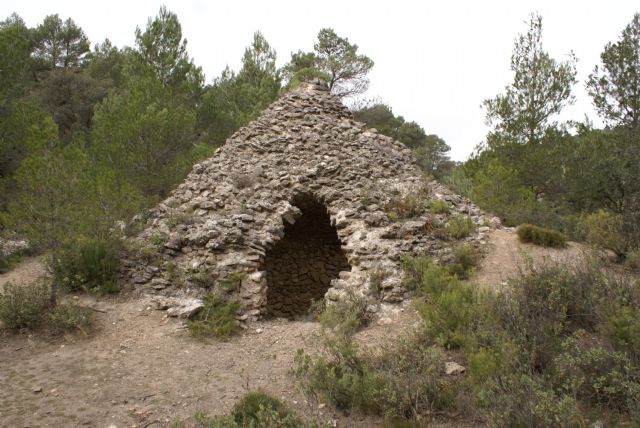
(439, 206)
(557, 335)
(465, 259)
(614, 86)
(202, 278)
(24, 306)
(448, 314)
(498, 189)
(541, 236)
(92, 264)
(622, 328)
(231, 282)
(632, 260)
(523, 400)
(597, 374)
(405, 379)
(402, 206)
(68, 317)
(604, 228)
(460, 227)
(257, 409)
(541, 87)
(28, 306)
(217, 318)
(8, 262)
(345, 316)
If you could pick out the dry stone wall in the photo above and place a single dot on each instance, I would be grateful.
(302, 161)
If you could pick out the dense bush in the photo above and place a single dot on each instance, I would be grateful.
(560, 340)
(345, 316)
(216, 318)
(406, 205)
(89, 265)
(29, 307)
(604, 229)
(439, 206)
(68, 317)
(541, 236)
(256, 409)
(465, 259)
(587, 368)
(24, 306)
(460, 227)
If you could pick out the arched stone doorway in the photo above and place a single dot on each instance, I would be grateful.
(302, 264)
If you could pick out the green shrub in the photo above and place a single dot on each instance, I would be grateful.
(68, 317)
(9, 262)
(343, 378)
(256, 409)
(201, 278)
(599, 376)
(184, 217)
(604, 229)
(460, 227)
(413, 268)
(413, 379)
(345, 316)
(465, 259)
(261, 410)
(404, 206)
(448, 315)
(216, 318)
(29, 306)
(622, 328)
(436, 279)
(231, 282)
(90, 265)
(522, 400)
(439, 206)
(540, 236)
(632, 260)
(24, 306)
(405, 379)
(544, 306)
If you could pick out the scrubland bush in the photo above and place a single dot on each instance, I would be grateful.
(541, 236)
(632, 261)
(460, 227)
(256, 409)
(407, 205)
(604, 229)
(216, 318)
(29, 307)
(91, 264)
(439, 206)
(24, 306)
(465, 259)
(67, 317)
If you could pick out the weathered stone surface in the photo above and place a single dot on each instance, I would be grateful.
(254, 206)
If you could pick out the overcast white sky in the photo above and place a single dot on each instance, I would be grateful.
(434, 61)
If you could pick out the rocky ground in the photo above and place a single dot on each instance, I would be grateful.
(140, 368)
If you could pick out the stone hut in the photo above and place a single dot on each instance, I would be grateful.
(302, 204)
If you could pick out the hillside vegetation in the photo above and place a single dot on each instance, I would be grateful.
(89, 138)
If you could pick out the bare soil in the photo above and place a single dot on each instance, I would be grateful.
(139, 368)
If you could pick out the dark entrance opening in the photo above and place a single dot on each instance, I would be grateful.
(302, 264)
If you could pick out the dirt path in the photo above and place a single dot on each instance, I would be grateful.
(506, 256)
(30, 269)
(141, 369)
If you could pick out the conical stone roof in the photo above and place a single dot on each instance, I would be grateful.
(304, 157)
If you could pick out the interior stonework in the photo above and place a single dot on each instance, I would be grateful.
(300, 267)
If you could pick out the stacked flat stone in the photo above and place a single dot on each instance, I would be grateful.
(230, 213)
